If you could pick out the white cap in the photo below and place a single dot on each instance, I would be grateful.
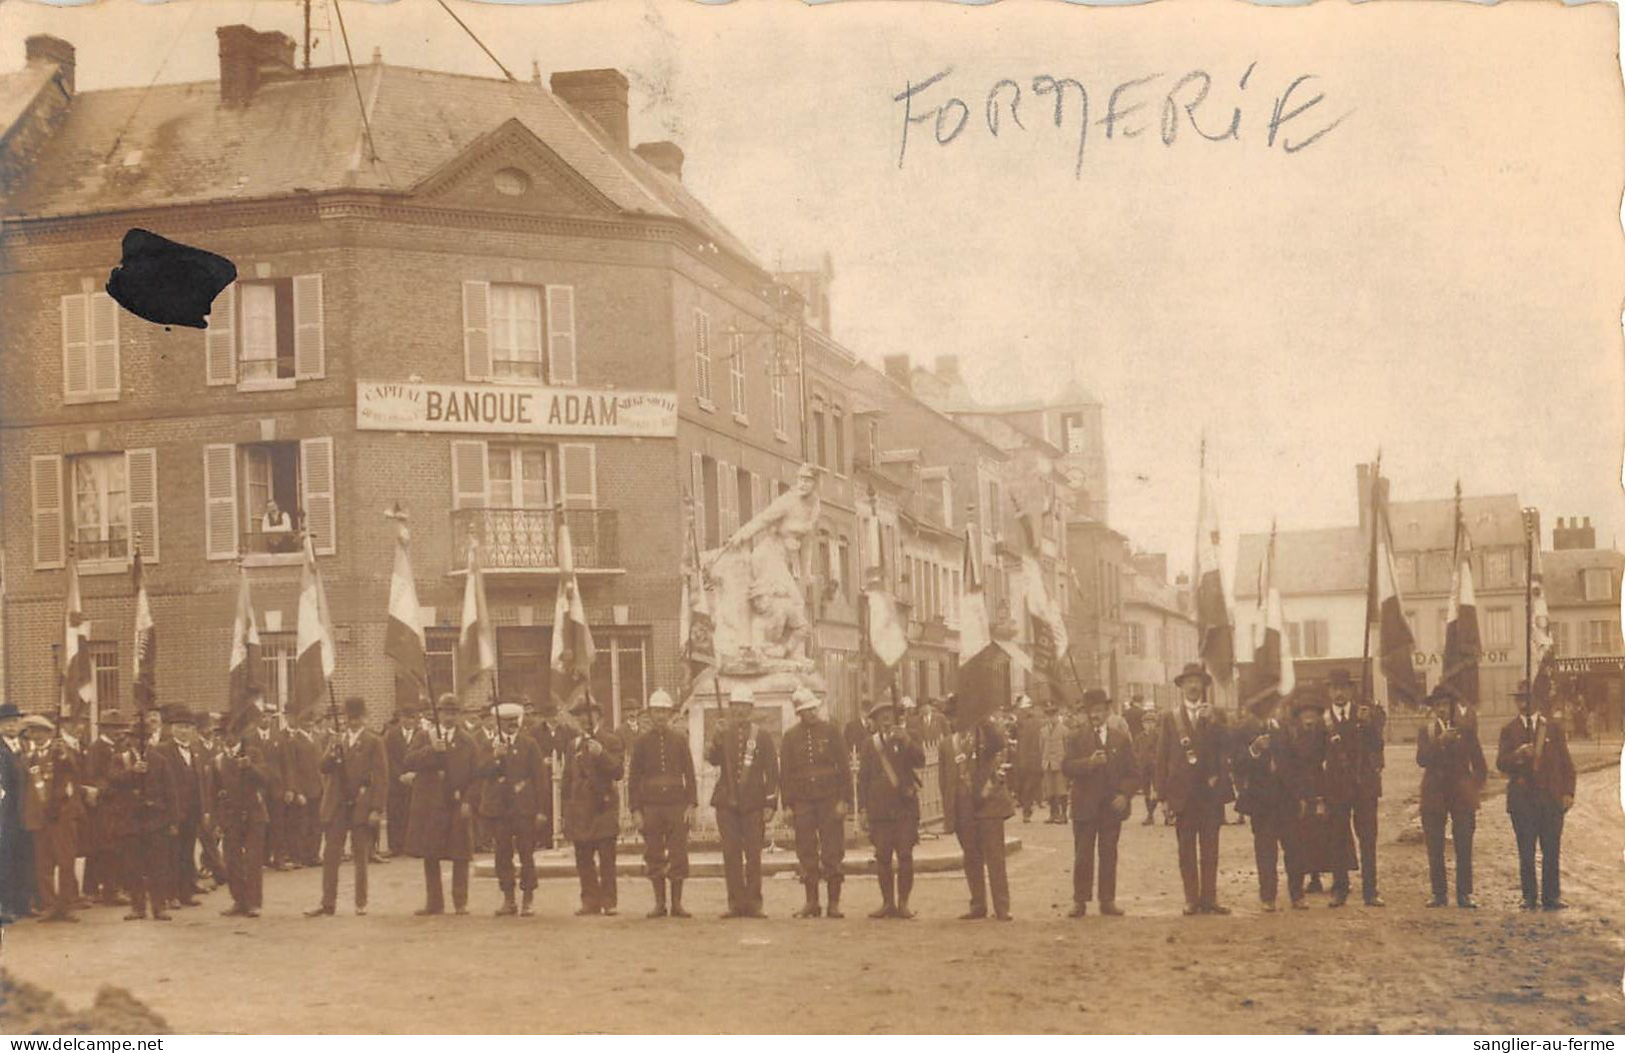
(1023, 702)
(906, 702)
(804, 699)
(742, 694)
(661, 700)
(509, 711)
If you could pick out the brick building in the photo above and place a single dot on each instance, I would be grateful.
(1583, 600)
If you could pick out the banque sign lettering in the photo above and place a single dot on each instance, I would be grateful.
(513, 408)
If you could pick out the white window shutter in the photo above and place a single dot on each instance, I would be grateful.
(468, 474)
(220, 500)
(141, 472)
(309, 332)
(46, 479)
(75, 346)
(476, 330)
(697, 471)
(104, 364)
(316, 468)
(727, 499)
(702, 354)
(578, 468)
(220, 339)
(561, 334)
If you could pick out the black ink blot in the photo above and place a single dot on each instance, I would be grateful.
(168, 283)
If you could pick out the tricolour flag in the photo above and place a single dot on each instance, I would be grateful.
(1215, 631)
(573, 648)
(974, 630)
(1048, 627)
(1462, 647)
(1273, 673)
(696, 626)
(1542, 653)
(476, 636)
(403, 630)
(244, 667)
(146, 640)
(315, 657)
(883, 631)
(78, 679)
(1396, 644)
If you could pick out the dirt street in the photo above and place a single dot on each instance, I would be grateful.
(1399, 969)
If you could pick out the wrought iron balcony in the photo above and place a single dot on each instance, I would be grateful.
(526, 539)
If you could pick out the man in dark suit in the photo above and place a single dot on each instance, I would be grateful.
(815, 780)
(270, 741)
(889, 763)
(441, 824)
(662, 795)
(592, 806)
(153, 782)
(1264, 795)
(241, 781)
(191, 771)
(1534, 754)
(1448, 750)
(399, 740)
(745, 798)
(553, 738)
(1353, 784)
(976, 802)
(513, 781)
(1099, 763)
(17, 858)
(1028, 773)
(305, 747)
(353, 771)
(1193, 773)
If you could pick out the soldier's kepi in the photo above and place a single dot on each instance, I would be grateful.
(662, 794)
(817, 785)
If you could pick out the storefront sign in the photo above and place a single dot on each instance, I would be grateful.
(514, 409)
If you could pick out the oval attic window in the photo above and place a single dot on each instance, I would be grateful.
(511, 182)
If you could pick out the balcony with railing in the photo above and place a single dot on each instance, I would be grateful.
(525, 540)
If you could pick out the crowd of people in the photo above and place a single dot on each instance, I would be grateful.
(159, 806)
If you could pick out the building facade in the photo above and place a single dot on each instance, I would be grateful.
(1158, 630)
(1583, 599)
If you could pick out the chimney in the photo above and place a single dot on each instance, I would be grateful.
(948, 370)
(1574, 533)
(666, 156)
(1362, 484)
(43, 48)
(249, 58)
(600, 94)
(897, 368)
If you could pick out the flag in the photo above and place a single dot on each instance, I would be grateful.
(1273, 674)
(476, 641)
(315, 658)
(696, 626)
(244, 667)
(1542, 653)
(1385, 609)
(573, 649)
(145, 684)
(78, 680)
(883, 631)
(1215, 632)
(403, 631)
(1048, 627)
(1461, 641)
(974, 631)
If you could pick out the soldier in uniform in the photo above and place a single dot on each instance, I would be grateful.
(1145, 759)
(1453, 776)
(1193, 775)
(1100, 763)
(1534, 754)
(1029, 769)
(815, 779)
(1354, 760)
(592, 806)
(191, 769)
(241, 782)
(662, 794)
(442, 809)
(1052, 738)
(513, 782)
(889, 763)
(147, 772)
(745, 798)
(353, 771)
(976, 802)
(1265, 795)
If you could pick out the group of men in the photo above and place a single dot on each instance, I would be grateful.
(153, 808)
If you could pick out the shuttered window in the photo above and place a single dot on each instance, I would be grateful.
(90, 348)
(519, 332)
(267, 333)
(578, 474)
(702, 356)
(45, 476)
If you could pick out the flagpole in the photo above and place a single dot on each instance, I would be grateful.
(1370, 584)
(1528, 601)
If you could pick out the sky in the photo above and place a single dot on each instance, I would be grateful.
(1437, 275)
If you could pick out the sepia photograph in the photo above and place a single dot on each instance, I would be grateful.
(664, 517)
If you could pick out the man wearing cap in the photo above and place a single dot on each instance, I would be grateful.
(513, 780)
(889, 763)
(106, 804)
(1100, 764)
(1534, 753)
(1453, 777)
(353, 771)
(52, 810)
(1193, 775)
(1265, 796)
(150, 775)
(1029, 770)
(815, 779)
(662, 794)
(210, 729)
(398, 742)
(271, 742)
(1145, 758)
(1310, 835)
(442, 808)
(745, 797)
(1354, 761)
(592, 806)
(241, 779)
(190, 787)
(1052, 738)
(17, 861)
(975, 803)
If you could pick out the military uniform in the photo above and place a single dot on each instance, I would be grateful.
(976, 804)
(1100, 764)
(815, 780)
(661, 788)
(513, 785)
(241, 782)
(889, 763)
(1534, 754)
(746, 792)
(1193, 778)
(1353, 783)
(1452, 782)
(441, 823)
